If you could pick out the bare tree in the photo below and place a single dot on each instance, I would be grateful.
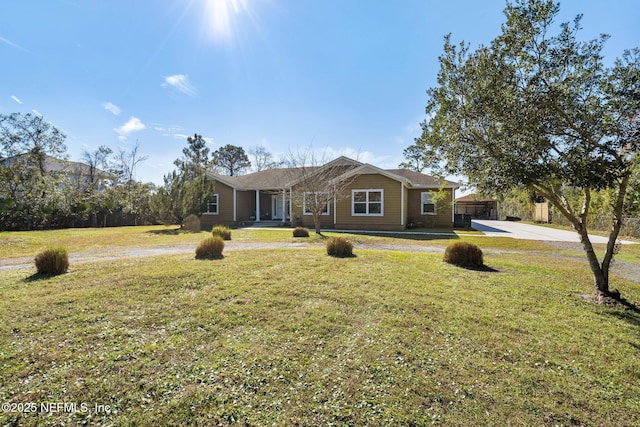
(262, 159)
(318, 183)
(128, 161)
(96, 160)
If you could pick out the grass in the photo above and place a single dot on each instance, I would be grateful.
(28, 243)
(292, 337)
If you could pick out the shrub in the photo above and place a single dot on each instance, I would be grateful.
(52, 261)
(210, 248)
(300, 232)
(463, 254)
(191, 223)
(339, 247)
(221, 231)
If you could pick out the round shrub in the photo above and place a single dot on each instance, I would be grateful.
(52, 261)
(210, 248)
(339, 247)
(191, 223)
(221, 231)
(463, 254)
(300, 232)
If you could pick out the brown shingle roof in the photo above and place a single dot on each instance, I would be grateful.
(422, 180)
(282, 177)
(266, 179)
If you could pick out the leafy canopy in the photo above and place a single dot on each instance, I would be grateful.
(543, 112)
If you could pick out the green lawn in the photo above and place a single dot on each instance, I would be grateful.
(294, 337)
(29, 243)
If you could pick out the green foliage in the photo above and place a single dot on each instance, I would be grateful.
(210, 248)
(300, 232)
(463, 254)
(52, 261)
(339, 247)
(231, 159)
(539, 110)
(221, 231)
(186, 189)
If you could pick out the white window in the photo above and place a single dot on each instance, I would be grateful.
(212, 204)
(311, 200)
(428, 204)
(367, 202)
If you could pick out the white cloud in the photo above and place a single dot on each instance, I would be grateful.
(112, 108)
(37, 113)
(15, 98)
(10, 43)
(134, 124)
(181, 83)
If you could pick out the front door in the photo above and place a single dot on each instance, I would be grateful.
(277, 206)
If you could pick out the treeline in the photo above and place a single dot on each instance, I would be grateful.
(41, 189)
(520, 203)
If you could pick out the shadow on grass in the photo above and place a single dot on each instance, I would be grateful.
(209, 258)
(168, 232)
(412, 235)
(36, 277)
(174, 232)
(623, 310)
(483, 268)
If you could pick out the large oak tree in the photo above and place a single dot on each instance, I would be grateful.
(539, 109)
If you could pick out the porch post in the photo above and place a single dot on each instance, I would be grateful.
(453, 206)
(235, 216)
(291, 204)
(284, 205)
(402, 204)
(257, 205)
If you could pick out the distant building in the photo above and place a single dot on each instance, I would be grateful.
(478, 206)
(80, 174)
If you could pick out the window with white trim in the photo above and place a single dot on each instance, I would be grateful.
(428, 204)
(212, 204)
(311, 200)
(367, 202)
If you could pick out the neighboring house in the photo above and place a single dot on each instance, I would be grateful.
(478, 206)
(78, 174)
(375, 199)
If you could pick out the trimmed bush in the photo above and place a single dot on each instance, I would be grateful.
(191, 223)
(221, 231)
(210, 248)
(339, 247)
(463, 254)
(300, 232)
(52, 261)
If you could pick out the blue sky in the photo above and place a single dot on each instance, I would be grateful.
(338, 76)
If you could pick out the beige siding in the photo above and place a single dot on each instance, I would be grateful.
(245, 205)
(298, 217)
(443, 217)
(225, 207)
(392, 205)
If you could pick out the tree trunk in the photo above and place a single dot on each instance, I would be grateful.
(600, 271)
(316, 223)
(600, 276)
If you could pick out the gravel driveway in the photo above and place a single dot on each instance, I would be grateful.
(629, 271)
